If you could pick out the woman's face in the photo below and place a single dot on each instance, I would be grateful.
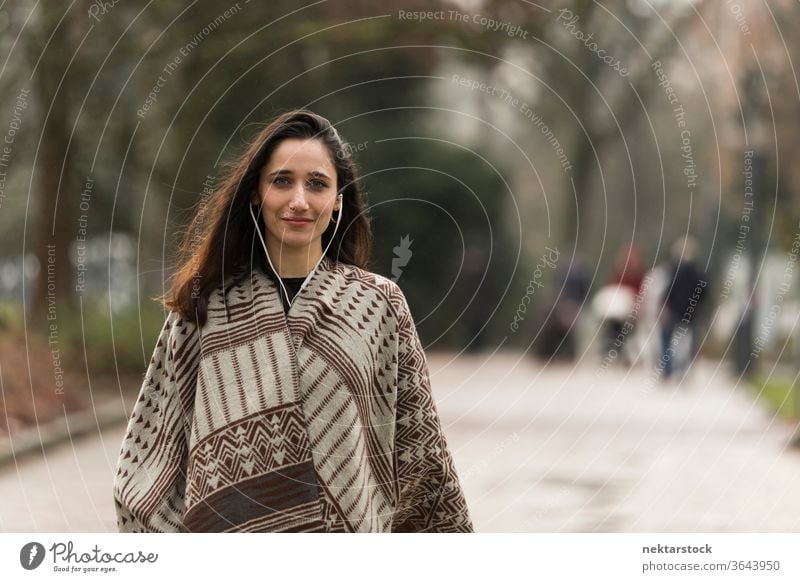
(297, 187)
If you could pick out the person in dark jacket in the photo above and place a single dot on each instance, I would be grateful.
(686, 289)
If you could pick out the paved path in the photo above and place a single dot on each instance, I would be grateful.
(561, 449)
(66, 490)
(537, 449)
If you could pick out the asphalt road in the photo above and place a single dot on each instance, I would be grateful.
(539, 449)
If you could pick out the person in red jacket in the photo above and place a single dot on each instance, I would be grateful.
(624, 285)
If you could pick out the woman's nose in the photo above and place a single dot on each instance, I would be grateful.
(299, 198)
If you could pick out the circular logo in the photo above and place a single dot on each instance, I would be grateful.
(31, 555)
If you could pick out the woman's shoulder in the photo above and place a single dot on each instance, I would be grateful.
(178, 333)
(179, 326)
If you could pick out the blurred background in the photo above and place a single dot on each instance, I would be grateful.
(593, 209)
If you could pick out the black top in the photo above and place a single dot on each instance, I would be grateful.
(292, 285)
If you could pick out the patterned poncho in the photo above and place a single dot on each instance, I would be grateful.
(321, 420)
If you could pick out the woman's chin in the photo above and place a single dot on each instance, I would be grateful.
(295, 243)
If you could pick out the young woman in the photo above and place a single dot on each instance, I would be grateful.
(288, 390)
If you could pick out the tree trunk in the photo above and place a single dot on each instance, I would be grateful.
(57, 190)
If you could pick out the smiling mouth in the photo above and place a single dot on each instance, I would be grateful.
(297, 221)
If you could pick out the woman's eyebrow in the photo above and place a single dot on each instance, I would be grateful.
(280, 171)
(285, 171)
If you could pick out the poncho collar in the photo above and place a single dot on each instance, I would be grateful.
(257, 287)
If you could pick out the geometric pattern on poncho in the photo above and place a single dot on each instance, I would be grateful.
(320, 421)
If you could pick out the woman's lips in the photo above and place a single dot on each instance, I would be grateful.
(297, 221)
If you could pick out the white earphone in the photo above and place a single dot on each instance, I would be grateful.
(266, 252)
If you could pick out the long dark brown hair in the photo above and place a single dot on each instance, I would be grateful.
(221, 239)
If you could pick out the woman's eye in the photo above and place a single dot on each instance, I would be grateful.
(318, 184)
(280, 181)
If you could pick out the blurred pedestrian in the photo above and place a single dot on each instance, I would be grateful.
(560, 327)
(614, 303)
(648, 329)
(682, 298)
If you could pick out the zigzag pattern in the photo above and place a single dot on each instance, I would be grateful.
(430, 495)
(259, 444)
(350, 447)
(322, 420)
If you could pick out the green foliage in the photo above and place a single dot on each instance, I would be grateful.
(780, 393)
(448, 202)
(118, 343)
(10, 317)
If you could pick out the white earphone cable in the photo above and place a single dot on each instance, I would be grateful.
(266, 252)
